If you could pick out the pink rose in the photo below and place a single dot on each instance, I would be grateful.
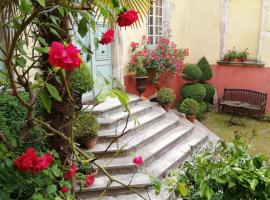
(138, 160)
(27, 160)
(66, 58)
(43, 162)
(127, 18)
(71, 172)
(107, 37)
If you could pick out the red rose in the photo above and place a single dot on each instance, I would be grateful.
(107, 37)
(27, 160)
(89, 180)
(43, 162)
(71, 172)
(138, 160)
(64, 189)
(64, 57)
(127, 18)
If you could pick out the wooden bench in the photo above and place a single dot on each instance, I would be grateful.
(241, 100)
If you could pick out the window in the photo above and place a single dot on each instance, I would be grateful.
(155, 21)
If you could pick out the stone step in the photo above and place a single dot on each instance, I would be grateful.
(158, 167)
(119, 118)
(141, 138)
(133, 126)
(110, 106)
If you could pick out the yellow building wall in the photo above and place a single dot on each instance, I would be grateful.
(196, 24)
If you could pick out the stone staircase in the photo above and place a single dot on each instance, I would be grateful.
(163, 139)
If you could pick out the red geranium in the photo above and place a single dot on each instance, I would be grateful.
(138, 160)
(27, 160)
(64, 189)
(43, 162)
(64, 57)
(89, 180)
(107, 37)
(127, 18)
(71, 172)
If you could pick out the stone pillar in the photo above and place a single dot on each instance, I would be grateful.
(224, 26)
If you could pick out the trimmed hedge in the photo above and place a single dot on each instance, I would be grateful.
(188, 106)
(195, 91)
(205, 67)
(165, 96)
(210, 92)
(191, 72)
(202, 108)
(82, 80)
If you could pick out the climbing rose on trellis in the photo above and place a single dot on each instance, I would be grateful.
(71, 172)
(66, 58)
(127, 18)
(138, 161)
(107, 37)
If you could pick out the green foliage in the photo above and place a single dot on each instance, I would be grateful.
(195, 91)
(192, 73)
(224, 172)
(201, 109)
(205, 67)
(141, 72)
(210, 92)
(189, 106)
(165, 96)
(85, 127)
(82, 80)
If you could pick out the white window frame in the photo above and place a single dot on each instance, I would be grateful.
(156, 34)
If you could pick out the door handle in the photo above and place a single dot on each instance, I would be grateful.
(102, 51)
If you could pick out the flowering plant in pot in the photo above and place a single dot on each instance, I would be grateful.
(87, 172)
(235, 55)
(164, 57)
(243, 54)
(85, 129)
(190, 108)
(165, 96)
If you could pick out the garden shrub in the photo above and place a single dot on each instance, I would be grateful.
(192, 72)
(188, 106)
(205, 68)
(202, 108)
(227, 171)
(195, 91)
(85, 127)
(210, 92)
(165, 96)
(82, 80)
(141, 71)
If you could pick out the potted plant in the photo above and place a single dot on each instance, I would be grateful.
(85, 129)
(88, 170)
(165, 97)
(243, 55)
(190, 108)
(232, 55)
(82, 82)
(141, 77)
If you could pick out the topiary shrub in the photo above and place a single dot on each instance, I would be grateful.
(192, 73)
(85, 127)
(82, 80)
(188, 106)
(141, 72)
(210, 92)
(205, 68)
(165, 96)
(202, 108)
(195, 91)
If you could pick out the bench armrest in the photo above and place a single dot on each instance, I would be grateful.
(220, 99)
(263, 104)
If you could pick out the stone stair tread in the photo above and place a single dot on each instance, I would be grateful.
(109, 104)
(129, 143)
(156, 112)
(121, 115)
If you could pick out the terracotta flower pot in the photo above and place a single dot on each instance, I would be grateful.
(191, 118)
(94, 174)
(89, 144)
(141, 84)
(243, 59)
(236, 60)
(166, 107)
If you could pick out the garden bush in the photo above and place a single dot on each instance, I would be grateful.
(85, 127)
(226, 171)
(165, 96)
(141, 72)
(188, 106)
(205, 68)
(210, 92)
(195, 91)
(202, 108)
(82, 80)
(192, 72)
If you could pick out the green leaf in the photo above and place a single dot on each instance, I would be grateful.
(51, 189)
(42, 41)
(96, 42)
(253, 184)
(56, 171)
(37, 196)
(42, 49)
(93, 24)
(26, 6)
(42, 3)
(21, 61)
(45, 99)
(53, 92)
(206, 191)
(61, 11)
(55, 32)
(182, 189)
(82, 27)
